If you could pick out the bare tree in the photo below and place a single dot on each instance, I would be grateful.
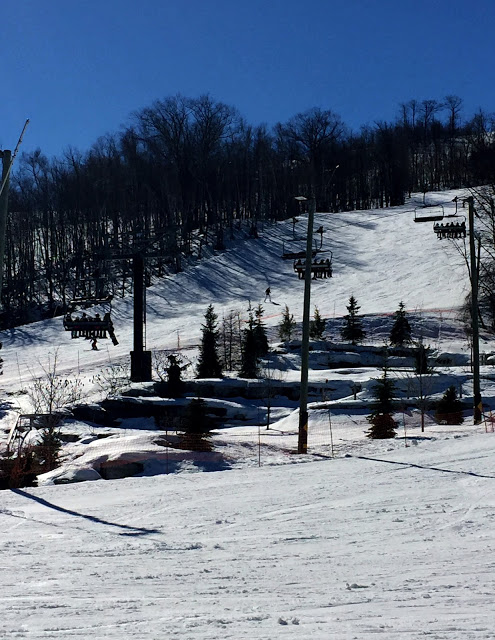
(420, 380)
(114, 378)
(271, 378)
(51, 392)
(231, 340)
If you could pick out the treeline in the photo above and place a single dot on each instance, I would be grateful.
(193, 167)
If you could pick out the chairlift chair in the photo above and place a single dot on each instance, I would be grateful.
(451, 230)
(431, 213)
(89, 292)
(85, 326)
(296, 254)
(319, 268)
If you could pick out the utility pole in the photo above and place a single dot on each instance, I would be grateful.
(478, 407)
(7, 162)
(302, 443)
(4, 206)
(140, 359)
(138, 253)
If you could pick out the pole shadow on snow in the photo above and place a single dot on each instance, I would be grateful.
(129, 530)
(423, 466)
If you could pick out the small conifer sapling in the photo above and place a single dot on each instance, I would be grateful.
(287, 325)
(449, 408)
(352, 330)
(249, 356)
(209, 362)
(400, 333)
(317, 326)
(382, 423)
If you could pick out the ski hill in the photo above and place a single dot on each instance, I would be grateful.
(357, 539)
(380, 256)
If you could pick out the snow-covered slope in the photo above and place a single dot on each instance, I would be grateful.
(381, 540)
(395, 545)
(380, 256)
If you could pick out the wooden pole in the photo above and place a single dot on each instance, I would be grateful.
(302, 444)
(4, 207)
(140, 359)
(477, 408)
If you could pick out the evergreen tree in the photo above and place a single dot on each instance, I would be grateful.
(353, 331)
(382, 423)
(174, 374)
(421, 366)
(287, 325)
(196, 426)
(259, 331)
(317, 326)
(400, 333)
(209, 362)
(449, 408)
(249, 362)
(47, 450)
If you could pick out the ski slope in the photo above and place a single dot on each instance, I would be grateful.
(399, 544)
(386, 538)
(380, 256)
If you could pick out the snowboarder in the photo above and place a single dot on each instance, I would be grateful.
(268, 295)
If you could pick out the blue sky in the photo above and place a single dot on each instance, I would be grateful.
(79, 69)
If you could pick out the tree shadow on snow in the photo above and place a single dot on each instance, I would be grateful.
(129, 530)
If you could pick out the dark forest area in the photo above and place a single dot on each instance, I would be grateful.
(193, 168)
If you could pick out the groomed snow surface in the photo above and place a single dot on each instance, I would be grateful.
(358, 539)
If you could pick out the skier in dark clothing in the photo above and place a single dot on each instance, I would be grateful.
(268, 294)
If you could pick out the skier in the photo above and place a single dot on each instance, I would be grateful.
(94, 344)
(268, 295)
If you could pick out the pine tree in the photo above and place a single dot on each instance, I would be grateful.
(400, 333)
(174, 374)
(286, 327)
(353, 331)
(259, 331)
(249, 362)
(209, 362)
(382, 423)
(421, 366)
(449, 408)
(47, 450)
(317, 326)
(196, 426)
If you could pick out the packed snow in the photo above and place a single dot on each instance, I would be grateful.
(357, 539)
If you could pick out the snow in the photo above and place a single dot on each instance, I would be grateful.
(394, 542)
(356, 539)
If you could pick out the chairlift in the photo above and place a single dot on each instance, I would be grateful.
(299, 253)
(87, 326)
(451, 230)
(89, 292)
(92, 327)
(430, 213)
(320, 268)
